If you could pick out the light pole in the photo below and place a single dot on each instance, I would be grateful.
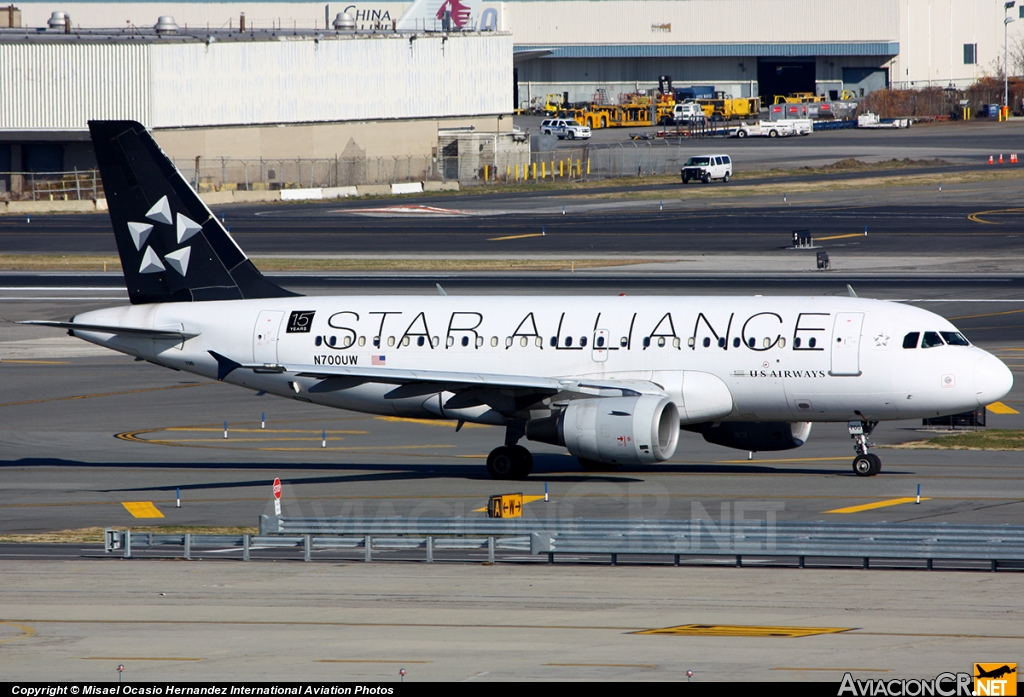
(1007, 6)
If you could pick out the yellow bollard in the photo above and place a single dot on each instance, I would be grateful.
(486, 167)
(506, 172)
(534, 171)
(561, 173)
(579, 171)
(588, 165)
(543, 170)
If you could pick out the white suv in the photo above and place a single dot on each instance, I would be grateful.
(564, 128)
(706, 168)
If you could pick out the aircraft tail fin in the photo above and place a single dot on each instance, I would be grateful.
(440, 15)
(172, 248)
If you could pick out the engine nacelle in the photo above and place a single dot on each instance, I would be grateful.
(619, 430)
(756, 436)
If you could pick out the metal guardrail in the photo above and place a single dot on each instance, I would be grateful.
(992, 544)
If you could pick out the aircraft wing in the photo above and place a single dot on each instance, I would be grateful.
(111, 329)
(504, 393)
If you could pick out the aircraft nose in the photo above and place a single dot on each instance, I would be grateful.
(992, 380)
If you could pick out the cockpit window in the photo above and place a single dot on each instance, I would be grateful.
(910, 340)
(955, 339)
(931, 340)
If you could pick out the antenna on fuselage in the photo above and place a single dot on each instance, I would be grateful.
(851, 291)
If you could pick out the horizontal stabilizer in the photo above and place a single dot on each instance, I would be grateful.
(112, 329)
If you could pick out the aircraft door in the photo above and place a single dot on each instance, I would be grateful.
(264, 336)
(599, 349)
(846, 343)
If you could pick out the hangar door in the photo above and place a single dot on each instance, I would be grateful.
(784, 77)
(863, 81)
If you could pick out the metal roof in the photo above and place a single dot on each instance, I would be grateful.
(766, 50)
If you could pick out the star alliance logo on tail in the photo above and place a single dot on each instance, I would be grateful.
(185, 229)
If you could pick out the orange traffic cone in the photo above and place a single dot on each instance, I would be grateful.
(990, 159)
(1000, 158)
(1013, 158)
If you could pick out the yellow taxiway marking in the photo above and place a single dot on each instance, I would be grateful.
(142, 509)
(25, 360)
(1000, 408)
(103, 394)
(515, 237)
(839, 237)
(429, 422)
(526, 500)
(989, 314)
(743, 630)
(976, 217)
(876, 504)
(26, 632)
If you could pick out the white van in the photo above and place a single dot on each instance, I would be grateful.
(707, 167)
(687, 112)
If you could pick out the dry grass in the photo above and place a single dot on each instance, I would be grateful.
(95, 535)
(994, 439)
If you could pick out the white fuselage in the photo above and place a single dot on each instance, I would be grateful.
(782, 358)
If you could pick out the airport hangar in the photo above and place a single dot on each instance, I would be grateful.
(279, 91)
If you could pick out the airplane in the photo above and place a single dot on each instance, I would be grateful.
(612, 379)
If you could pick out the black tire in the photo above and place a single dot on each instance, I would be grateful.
(501, 463)
(572, 135)
(864, 465)
(595, 466)
(741, 133)
(725, 179)
(773, 133)
(706, 179)
(876, 464)
(686, 179)
(524, 461)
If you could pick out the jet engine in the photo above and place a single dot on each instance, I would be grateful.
(618, 430)
(753, 435)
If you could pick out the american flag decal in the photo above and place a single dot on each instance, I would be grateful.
(378, 360)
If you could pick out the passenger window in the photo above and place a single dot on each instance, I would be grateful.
(600, 342)
(736, 342)
(420, 341)
(623, 342)
(317, 341)
(647, 341)
(391, 341)
(955, 339)
(583, 341)
(661, 341)
(465, 341)
(931, 340)
(707, 341)
(554, 342)
(910, 340)
(721, 342)
(494, 341)
(523, 341)
(726, 160)
(362, 341)
(568, 341)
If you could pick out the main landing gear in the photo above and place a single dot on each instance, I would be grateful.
(510, 461)
(865, 464)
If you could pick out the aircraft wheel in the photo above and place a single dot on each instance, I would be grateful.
(876, 464)
(501, 463)
(507, 462)
(595, 466)
(864, 465)
(524, 462)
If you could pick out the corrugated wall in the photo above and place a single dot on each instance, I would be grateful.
(702, 21)
(334, 80)
(62, 86)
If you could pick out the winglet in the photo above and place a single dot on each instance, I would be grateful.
(224, 365)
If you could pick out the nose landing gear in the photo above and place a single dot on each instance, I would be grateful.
(865, 464)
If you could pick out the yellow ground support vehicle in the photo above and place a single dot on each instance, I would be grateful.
(728, 108)
(553, 103)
